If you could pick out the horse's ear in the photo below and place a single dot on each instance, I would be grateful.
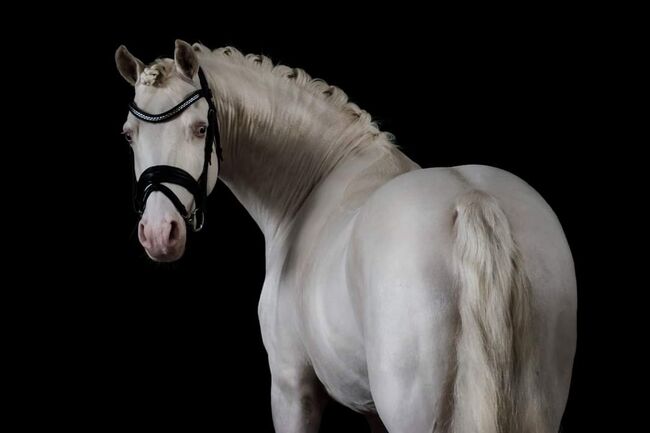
(130, 67)
(185, 59)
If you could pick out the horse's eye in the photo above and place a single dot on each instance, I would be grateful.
(200, 130)
(128, 136)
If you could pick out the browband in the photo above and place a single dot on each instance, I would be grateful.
(169, 114)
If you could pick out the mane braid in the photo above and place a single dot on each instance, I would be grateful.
(156, 73)
(316, 86)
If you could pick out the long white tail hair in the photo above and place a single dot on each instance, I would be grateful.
(496, 388)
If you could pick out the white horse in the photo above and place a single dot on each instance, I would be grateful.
(431, 300)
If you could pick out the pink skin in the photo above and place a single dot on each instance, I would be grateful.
(161, 230)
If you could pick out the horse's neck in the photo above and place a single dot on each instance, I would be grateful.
(282, 142)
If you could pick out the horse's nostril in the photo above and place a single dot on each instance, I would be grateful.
(174, 232)
(141, 234)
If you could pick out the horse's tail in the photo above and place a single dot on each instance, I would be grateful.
(495, 388)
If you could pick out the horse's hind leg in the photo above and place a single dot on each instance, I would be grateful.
(411, 353)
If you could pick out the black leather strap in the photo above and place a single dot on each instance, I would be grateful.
(213, 125)
(170, 195)
(152, 180)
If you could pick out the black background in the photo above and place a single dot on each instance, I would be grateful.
(178, 346)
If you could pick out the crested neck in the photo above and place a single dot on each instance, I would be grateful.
(282, 134)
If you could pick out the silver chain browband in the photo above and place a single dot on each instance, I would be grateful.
(167, 115)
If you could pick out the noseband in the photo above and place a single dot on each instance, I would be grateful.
(152, 178)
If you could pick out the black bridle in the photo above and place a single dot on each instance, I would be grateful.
(152, 178)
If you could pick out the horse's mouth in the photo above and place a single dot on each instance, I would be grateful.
(166, 255)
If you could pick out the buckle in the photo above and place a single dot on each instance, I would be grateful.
(196, 219)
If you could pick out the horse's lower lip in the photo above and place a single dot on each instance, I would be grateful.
(165, 256)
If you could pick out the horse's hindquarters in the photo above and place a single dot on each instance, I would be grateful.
(548, 265)
(400, 265)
